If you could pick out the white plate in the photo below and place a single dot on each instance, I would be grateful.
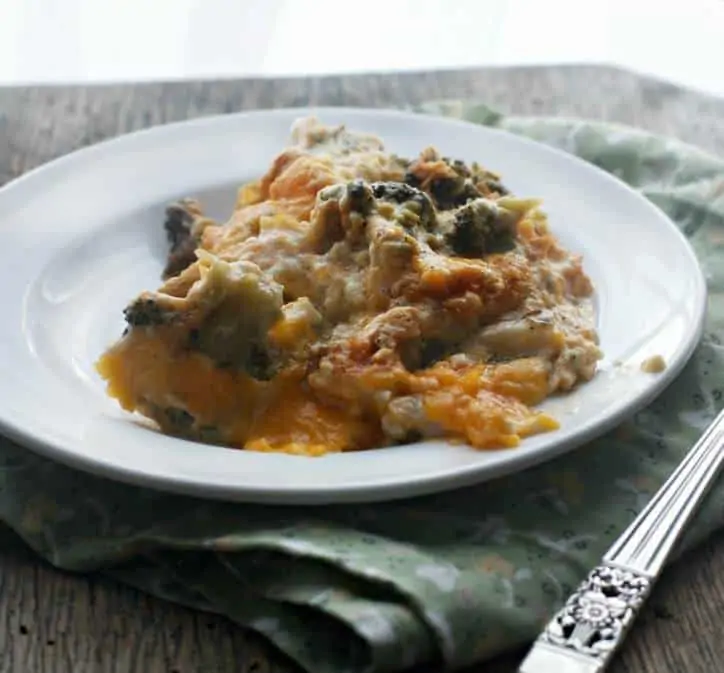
(83, 234)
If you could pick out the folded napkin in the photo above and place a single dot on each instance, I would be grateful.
(453, 578)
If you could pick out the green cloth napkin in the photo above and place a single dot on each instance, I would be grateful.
(453, 578)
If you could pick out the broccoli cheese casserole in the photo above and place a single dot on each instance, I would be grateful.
(358, 299)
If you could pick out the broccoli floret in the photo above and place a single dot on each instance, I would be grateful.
(492, 185)
(359, 197)
(465, 185)
(397, 192)
(260, 364)
(412, 180)
(146, 312)
(480, 227)
(421, 353)
(413, 198)
(449, 192)
(234, 332)
(341, 212)
(343, 209)
(179, 224)
(257, 361)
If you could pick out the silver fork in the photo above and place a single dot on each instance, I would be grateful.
(585, 634)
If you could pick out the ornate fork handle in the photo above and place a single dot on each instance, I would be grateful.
(585, 634)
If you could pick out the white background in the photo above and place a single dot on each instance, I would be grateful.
(66, 41)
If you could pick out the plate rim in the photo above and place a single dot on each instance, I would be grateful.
(452, 478)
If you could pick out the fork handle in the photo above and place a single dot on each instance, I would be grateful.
(585, 634)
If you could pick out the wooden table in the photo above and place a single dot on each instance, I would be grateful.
(51, 622)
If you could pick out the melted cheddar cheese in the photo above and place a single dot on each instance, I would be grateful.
(356, 299)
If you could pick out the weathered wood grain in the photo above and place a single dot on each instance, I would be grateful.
(52, 622)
